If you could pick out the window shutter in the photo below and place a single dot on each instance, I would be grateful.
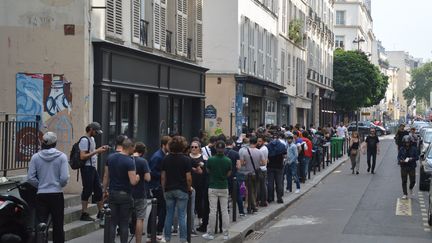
(136, 21)
(185, 27)
(179, 30)
(110, 17)
(156, 24)
(118, 18)
(199, 29)
(163, 24)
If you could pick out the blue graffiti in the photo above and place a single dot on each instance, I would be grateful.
(29, 95)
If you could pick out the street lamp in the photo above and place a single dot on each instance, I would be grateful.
(357, 41)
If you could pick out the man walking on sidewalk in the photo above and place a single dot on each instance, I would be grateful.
(407, 158)
(219, 169)
(49, 173)
(89, 174)
(372, 148)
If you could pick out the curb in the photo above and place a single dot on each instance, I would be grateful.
(239, 230)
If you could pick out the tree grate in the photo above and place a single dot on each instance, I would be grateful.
(255, 235)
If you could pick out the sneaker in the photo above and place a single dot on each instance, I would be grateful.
(202, 229)
(174, 232)
(368, 169)
(357, 173)
(255, 210)
(297, 191)
(194, 233)
(86, 217)
(162, 240)
(280, 201)
(242, 214)
(100, 215)
(404, 197)
(411, 192)
(226, 235)
(208, 236)
(287, 191)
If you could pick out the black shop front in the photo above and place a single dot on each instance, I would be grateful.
(146, 96)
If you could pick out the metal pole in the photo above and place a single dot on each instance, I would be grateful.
(153, 220)
(107, 224)
(6, 142)
(189, 217)
(234, 199)
(231, 121)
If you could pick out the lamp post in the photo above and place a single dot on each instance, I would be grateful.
(357, 41)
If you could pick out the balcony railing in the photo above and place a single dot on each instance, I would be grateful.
(168, 41)
(144, 32)
(189, 48)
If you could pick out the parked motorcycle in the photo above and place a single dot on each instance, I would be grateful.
(18, 222)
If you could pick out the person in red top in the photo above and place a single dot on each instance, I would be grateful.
(307, 158)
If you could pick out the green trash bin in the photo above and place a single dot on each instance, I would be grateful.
(336, 144)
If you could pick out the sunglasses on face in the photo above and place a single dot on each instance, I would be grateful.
(194, 146)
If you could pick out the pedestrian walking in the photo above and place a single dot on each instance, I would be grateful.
(252, 158)
(155, 187)
(277, 151)
(219, 169)
(49, 173)
(407, 158)
(291, 165)
(341, 130)
(118, 181)
(354, 152)
(139, 190)
(89, 174)
(262, 173)
(176, 181)
(372, 149)
(399, 135)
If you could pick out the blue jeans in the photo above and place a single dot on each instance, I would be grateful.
(290, 172)
(306, 161)
(176, 199)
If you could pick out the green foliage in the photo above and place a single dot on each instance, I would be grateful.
(294, 33)
(357, 82)
(420, 85)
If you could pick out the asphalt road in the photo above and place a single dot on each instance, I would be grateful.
(354, 208)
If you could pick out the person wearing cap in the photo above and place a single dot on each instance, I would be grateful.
(89, 174)
(219, 169)
(49, 173)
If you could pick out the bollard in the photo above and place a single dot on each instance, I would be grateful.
(153, 220)
(234, 199)
(189, 217)
(107, 224)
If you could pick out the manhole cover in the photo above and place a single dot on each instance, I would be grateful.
(255, 235)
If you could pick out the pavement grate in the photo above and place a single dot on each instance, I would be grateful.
(256, 235)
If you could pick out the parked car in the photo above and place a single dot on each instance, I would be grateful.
(365, 126)
(425, 175)
(425, 139)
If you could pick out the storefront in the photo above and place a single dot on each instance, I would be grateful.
(146, 96)
(326, 107)
(258, 101)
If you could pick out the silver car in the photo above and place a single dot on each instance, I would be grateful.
(426, 169)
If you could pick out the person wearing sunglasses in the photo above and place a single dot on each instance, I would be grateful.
(199, 184)
(372, 148)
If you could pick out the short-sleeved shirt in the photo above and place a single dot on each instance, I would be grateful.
(257, 157)
(218, 167)
(372, 142)
(233, 156)
(341, 131)
(142, 167)
(118, 166)
(176, 166)
(83, 146)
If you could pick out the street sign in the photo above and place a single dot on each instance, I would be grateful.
(365, 113)
(210, 112)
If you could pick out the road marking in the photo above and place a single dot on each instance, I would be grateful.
(426, 224)
(427, 229)
(297, 221)
(337, 171)
(425, 219)
(424, 214)
(423, 209)
(403, 207)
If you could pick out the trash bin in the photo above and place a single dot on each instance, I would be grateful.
(336, 144)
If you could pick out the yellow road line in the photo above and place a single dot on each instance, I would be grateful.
(403, 207)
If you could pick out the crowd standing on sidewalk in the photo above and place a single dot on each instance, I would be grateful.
(205, 170)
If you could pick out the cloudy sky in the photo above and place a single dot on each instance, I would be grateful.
(404, 25)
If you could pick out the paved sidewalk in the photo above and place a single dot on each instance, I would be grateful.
(238, 230)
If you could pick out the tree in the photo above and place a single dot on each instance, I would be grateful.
(420, 85)
(357, 82)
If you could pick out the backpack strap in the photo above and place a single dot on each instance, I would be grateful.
(253, 164)
(88, 150)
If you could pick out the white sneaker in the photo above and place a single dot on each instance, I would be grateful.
(297, 191)
(208, 236)
(404, 197)
(226, 235)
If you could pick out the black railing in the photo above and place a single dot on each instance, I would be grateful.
(168, 41)
(144, 32)
(189, 48)
(19, 140)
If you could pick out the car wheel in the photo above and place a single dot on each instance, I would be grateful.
(430, 214)
(423, 182)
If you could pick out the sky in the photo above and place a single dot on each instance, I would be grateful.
(404, 25)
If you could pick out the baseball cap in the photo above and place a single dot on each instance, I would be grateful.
(96, 127)
(220, 145)
(49, 138)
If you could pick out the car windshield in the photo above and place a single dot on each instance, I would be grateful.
(428, 137)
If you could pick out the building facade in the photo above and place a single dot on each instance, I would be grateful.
(320, 47)
(132, 65)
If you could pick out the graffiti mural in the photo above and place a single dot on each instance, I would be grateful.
(50, 96)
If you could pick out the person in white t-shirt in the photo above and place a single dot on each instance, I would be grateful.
(262, 177)
(341, 130)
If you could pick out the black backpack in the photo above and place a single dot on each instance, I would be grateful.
(75, 161)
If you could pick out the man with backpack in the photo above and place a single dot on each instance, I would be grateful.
(89, 174)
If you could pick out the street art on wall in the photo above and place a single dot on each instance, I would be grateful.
(50, 96)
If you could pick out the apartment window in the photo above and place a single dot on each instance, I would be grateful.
(261, 35)
(182, 27)
(340, 17)
(243, 46)
(251, 48)
(114, 18)
(340, 41)
(159, 24)
(289, 68)
(140, 26)
(282, 68)
(284, 20)
(168, 41)
(275, 60)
